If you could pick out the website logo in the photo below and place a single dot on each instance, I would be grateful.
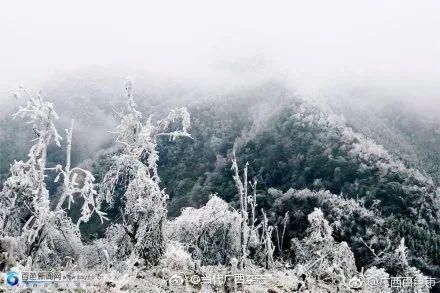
(177, 280)
(12, 278)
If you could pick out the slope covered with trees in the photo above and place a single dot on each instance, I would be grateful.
(316, 192)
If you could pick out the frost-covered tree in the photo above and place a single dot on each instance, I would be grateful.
(320, 257)
(219, 234)
(177, 258)
(211, 233)
(32, 231)
(134, 168)
(267, 247)
(26, 184)
(376, 281)
(396, 264)
(398, 261)
(248, 204)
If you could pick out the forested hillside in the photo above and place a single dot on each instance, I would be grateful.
(304, 156)
(300, 152)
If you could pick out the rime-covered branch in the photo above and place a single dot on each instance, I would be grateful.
(71, 186)
(36, 234)
(247, 223)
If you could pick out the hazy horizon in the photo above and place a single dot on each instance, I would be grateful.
(314, 46)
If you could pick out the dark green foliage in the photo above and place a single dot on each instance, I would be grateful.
(193, 169)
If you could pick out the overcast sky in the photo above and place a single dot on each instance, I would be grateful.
(314, 43)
